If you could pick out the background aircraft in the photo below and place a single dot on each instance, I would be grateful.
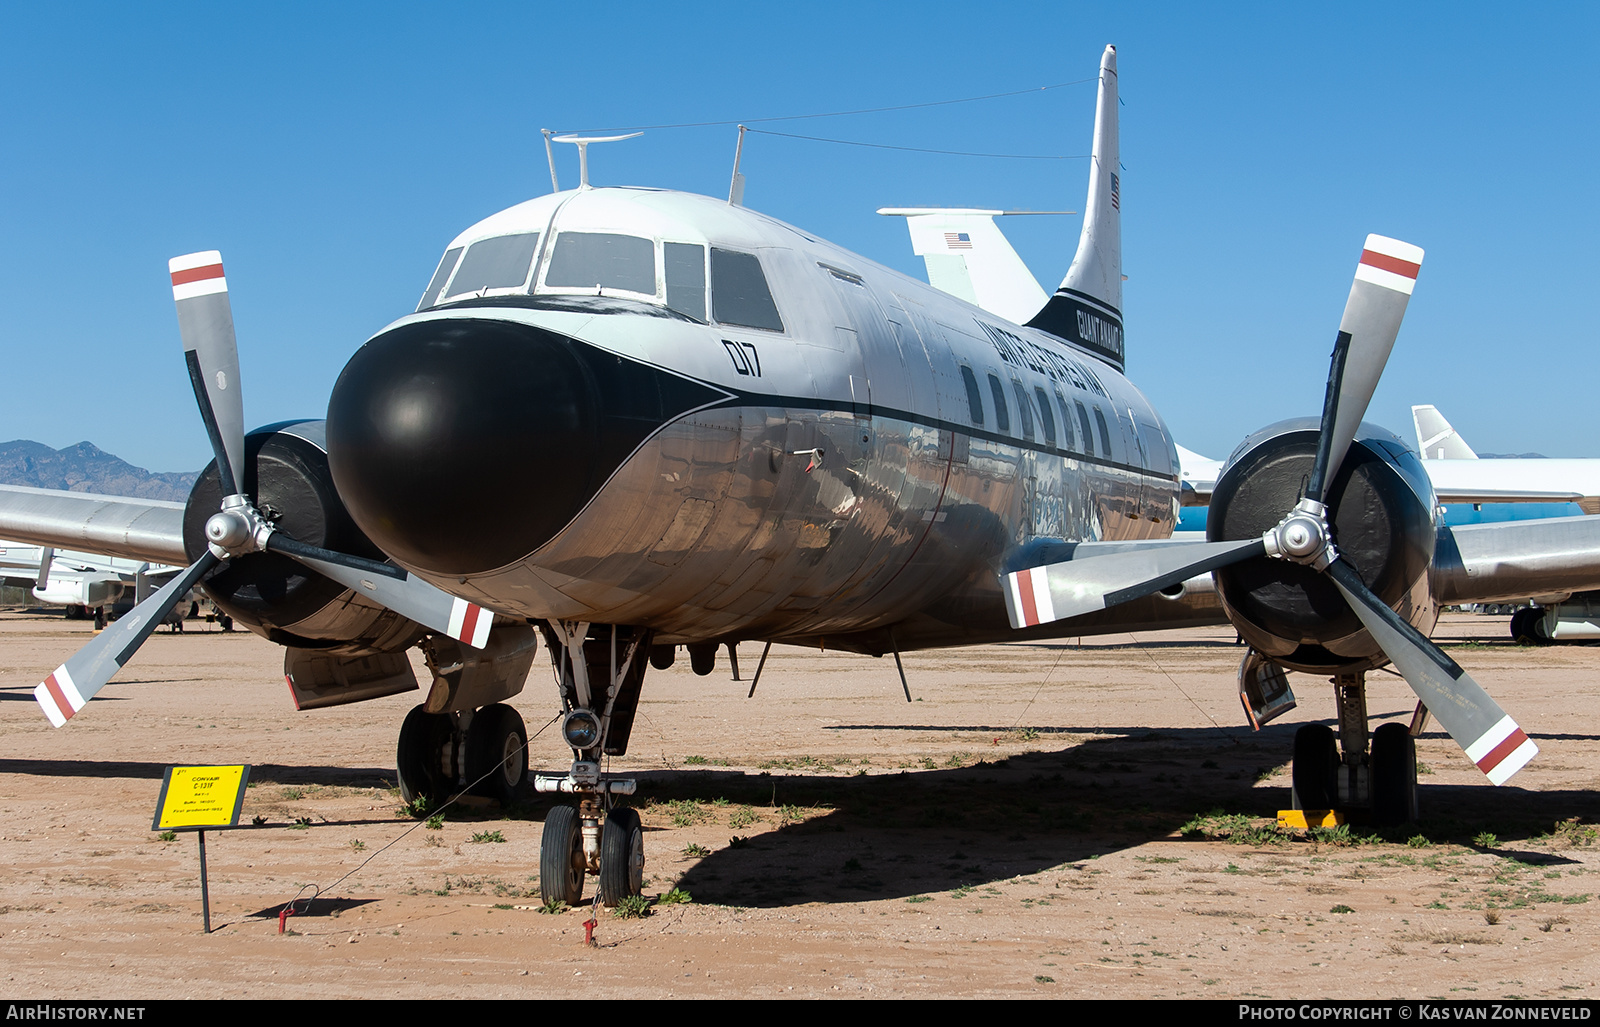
(1511, 488)
(86, 584)
(631, 419)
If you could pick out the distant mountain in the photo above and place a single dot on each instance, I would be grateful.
(86, 468)
(1513, 456)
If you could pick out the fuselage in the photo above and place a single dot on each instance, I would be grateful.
(734, 430)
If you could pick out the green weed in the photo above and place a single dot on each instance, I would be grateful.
(631, 907)
(484, 837)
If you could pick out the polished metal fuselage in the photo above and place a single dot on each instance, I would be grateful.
(841, 484)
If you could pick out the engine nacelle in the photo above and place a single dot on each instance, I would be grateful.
(286, 475)
(1381, 511)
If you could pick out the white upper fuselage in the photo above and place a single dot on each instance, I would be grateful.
(950, 436)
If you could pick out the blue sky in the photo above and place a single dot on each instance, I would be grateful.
(331, 150)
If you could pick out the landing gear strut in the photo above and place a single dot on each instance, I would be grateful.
(599, 673)
(1344, 774)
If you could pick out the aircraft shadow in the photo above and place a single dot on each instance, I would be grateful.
(887, 836)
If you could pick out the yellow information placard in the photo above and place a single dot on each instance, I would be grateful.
(199, 798)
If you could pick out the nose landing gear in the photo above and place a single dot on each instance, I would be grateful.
(599, 673)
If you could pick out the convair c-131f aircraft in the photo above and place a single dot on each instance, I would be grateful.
(632, 419)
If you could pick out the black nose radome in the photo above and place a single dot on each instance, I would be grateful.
(460, 445)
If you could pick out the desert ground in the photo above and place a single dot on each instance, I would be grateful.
(1043, 820)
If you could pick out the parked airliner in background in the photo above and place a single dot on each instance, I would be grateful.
(87, 584)
(630, 420)
(1506, 488)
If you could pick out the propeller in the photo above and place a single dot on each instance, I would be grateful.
(1384, 280)
(211, 352)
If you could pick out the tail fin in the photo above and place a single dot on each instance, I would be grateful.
(1087, 308)
(1436, 440)
(971, 259)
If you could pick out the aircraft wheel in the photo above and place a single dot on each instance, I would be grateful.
(1316, 768)
(497, 741)
(703, 658)
(561, 863)
(661, 656)
(419, 757)
(226, 622)
(1394, 776)
(621, 856)
(1525, 626)
(99, 618)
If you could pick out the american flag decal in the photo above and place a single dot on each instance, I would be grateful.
(1116, 198)
(957, 241)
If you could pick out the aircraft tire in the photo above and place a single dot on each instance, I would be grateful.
(561, 863)
(1525, 626)
(1394, 776)
(497, 745)
(417, 756)
(703, 658)
(661, 656)
(621, 856)
(1315, 771)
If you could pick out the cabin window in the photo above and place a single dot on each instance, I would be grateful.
(1105, 435)
(498, 263)
(739, 293)
(600, 260)
(686, 278)
(1002, 415)
(1046, 417)
(441, 276)
(974, 395)
(1068, 443)
(1088, 436)
(1024, 409)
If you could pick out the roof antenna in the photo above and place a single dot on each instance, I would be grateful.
(736, 187)
(582, 143)
(551, 158)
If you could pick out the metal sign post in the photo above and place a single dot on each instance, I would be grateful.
(198, 798)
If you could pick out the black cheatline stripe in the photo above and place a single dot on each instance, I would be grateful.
(1346, 575)
(289, 547)
(1330, 414)
(1123, 595)
(1083, 297)
(756, 399)
(230, 484)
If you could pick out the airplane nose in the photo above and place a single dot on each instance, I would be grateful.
(460, 445)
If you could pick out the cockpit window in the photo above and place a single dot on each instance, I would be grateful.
(739, 293)
(441, 276)
(498, 263)
(589, 260)
(686, 278)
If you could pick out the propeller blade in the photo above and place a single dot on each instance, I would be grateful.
(1071, 588)
(86, 671)
(205, 320)
(1384, 279)
(1491, 739)
(393, 587)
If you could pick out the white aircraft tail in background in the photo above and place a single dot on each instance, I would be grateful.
(971, 259)
(1436, 440)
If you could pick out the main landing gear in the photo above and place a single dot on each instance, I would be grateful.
(439, 753)
(599, 671)
(1346, 774)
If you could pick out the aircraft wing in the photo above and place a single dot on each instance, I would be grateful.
(137, 529)
(1475, 563)
(1517, 481)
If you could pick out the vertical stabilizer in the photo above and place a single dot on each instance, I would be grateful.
(1436, 439)
(1087, 308)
